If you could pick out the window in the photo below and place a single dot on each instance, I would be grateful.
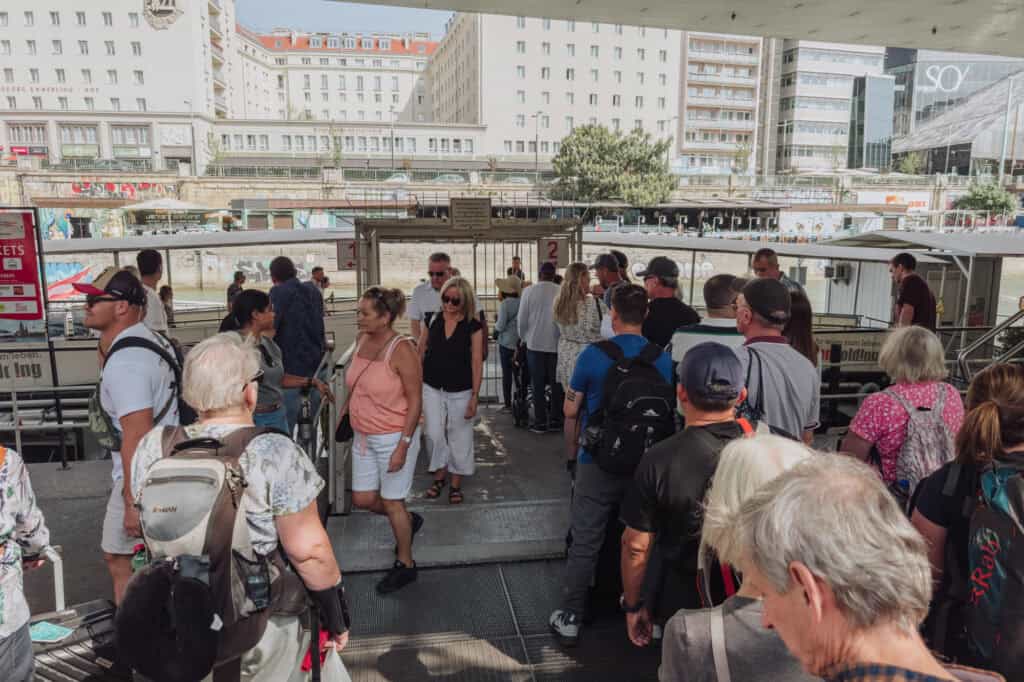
(286, 143)
(5, 47)
(662, 79)
(570, 98)
(131, 136)
(640, 77)
(324, 82)
(595, 27)
(545, 49)
(638, 102)
(137, 78)
(108, 19)
(140, 103)
(520, 146)
(545, 97)
(90, 104)
(305, 82)
(109, 44)
(37, 103)
(315, 42)
(593, 99)
(570, 74)
(661, 102)
(62, 103)
(3, 19)
(520, 22)
(30, 20)
(308, 97)
(8, 75)
(593, 75)
(133, 19)
(332, 43)
(367, 43)
(80, 18)
(532, 146)
(616, 100)
(394, 82)
(306, 61)
(325, 114)
(376, 83)
(361, 115)
(521, 96)
(663, 56)
(54, 18)
(30, 46)
(136, 48)
(570, 49)
(520, 120)
(78, 134)
(638, 124)
(641, 53)
(618, 54)
(378, 63)
(87, 75)
(545, 121)
(115, 103)
(33, 75)
(83, 47)
(300, 143)
(385, 43)
(570, 25)
(111, 77)
(617, 75)
(60, 75)
(58, 47)
(521, 47)
(520, 71)
(595, 51)
(508, 144)
(545, 73)
(616, 124)
(569, 123)
(341, 82)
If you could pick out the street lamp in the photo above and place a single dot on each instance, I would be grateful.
(391, 109)
(536, 142)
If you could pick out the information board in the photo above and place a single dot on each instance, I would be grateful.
(470, 213)
(21, 295)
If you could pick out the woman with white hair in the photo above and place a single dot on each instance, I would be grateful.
(728, 641)
(220, 380)
(914, 360)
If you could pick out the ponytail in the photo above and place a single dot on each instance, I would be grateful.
(994, 422)
(980, 439)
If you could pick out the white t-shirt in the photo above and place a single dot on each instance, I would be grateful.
(426, 301)
(135, 379)
(717, 329)
(156, 316)
(536, 321)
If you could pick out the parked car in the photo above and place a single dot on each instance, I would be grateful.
(450, 179)
(398, 178)
(517, 180)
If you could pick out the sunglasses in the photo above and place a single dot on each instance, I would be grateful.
(442, 273)
(258, 379)
(93, 299)
(450, 300)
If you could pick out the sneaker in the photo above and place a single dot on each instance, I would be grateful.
(417, 523)
(398, 577)
(556, 427)
(537, 428)
(566, 626)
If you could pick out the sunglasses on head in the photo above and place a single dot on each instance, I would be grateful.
(441, 273)
(93, 299)
(451, 300)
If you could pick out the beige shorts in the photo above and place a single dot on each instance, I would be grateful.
(115, 540)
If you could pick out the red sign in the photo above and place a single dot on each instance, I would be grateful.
(20, 292)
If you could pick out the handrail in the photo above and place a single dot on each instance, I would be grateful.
(982, 340)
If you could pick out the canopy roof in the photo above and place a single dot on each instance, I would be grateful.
(999, 244)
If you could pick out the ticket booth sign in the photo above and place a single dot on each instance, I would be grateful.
(21, 295)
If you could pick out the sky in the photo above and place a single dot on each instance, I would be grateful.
(338, 17)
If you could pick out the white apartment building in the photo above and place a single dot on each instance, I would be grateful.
(815, 89)
(531, 81)
(719, 103)
(287, 75)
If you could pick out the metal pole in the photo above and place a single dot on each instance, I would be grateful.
(536, 144)
(693, 272)
(949, 142)
(392, 144)
(46, 330)
(1006, 128)
(967, 302)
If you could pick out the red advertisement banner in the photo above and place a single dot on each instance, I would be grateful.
(21, 295)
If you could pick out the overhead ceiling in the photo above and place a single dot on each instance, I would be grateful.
(984, 26)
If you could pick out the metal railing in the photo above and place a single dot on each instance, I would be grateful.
(990, 335)
(301, 172)
(108, 165)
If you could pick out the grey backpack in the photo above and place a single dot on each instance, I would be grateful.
(927, 446)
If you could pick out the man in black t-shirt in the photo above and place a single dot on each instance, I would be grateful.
(666, 313)
(915, 304)
(663, 507)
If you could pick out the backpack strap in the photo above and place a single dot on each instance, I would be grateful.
(650, 354)
(139, 342)
(597, 304)
(612, 350)
(747, 428)
(718, 649)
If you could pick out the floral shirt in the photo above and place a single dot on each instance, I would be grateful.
(280, 476)
(882, 421)
(22, 531)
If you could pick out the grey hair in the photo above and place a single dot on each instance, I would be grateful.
(217, 371)
(834, 515)
(913, 354)
(744, 466)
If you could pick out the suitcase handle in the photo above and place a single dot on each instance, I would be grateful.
(52, 554)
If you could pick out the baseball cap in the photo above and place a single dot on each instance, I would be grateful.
(711, 371)
(119, 284)
(606, 260)
(660, 266)
(509, 285)
(547, 268)
(769, 298)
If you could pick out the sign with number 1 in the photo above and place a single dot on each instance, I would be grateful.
(348, 255)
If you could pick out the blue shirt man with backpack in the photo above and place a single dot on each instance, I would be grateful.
(627, 370)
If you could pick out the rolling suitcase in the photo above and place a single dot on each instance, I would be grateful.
(88, 654)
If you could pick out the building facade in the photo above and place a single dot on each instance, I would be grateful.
(871, 122)
(814, 99)
(719, 103)
(531, 81)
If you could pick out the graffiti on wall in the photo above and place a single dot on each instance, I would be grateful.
(59, 223)
(123, 190)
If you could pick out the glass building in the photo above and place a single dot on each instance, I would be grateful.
(929, 82)
(871, 114)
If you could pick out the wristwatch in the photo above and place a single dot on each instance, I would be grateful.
(407, 440)
(626, 608)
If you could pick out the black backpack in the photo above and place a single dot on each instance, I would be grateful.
(186, 415)
(637, 410)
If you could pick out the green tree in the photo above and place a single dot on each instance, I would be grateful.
(911, 163)
(596, 164)
(986, 196)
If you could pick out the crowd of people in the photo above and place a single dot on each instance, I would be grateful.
(688, 439)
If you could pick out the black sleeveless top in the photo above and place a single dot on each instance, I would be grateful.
(448, 362)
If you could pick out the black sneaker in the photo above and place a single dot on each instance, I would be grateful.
(537, 428)
(417, 523)
(398, 577)
(566, 626)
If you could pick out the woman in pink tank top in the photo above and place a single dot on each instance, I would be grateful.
(385, 395)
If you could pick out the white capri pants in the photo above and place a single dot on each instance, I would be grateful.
(449, 434)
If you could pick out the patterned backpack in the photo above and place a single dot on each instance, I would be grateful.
(927, 446)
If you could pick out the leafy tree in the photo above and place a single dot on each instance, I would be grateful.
(596, 164)
(911, 163)
(986, 196)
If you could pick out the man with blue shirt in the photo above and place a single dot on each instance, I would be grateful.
(597, 493)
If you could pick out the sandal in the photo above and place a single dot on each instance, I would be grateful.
(455, 496)
(434, 491)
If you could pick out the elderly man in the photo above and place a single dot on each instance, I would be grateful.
(844, 577)
(766, 266)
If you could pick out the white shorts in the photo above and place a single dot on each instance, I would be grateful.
(371, 456)
(115, 540)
